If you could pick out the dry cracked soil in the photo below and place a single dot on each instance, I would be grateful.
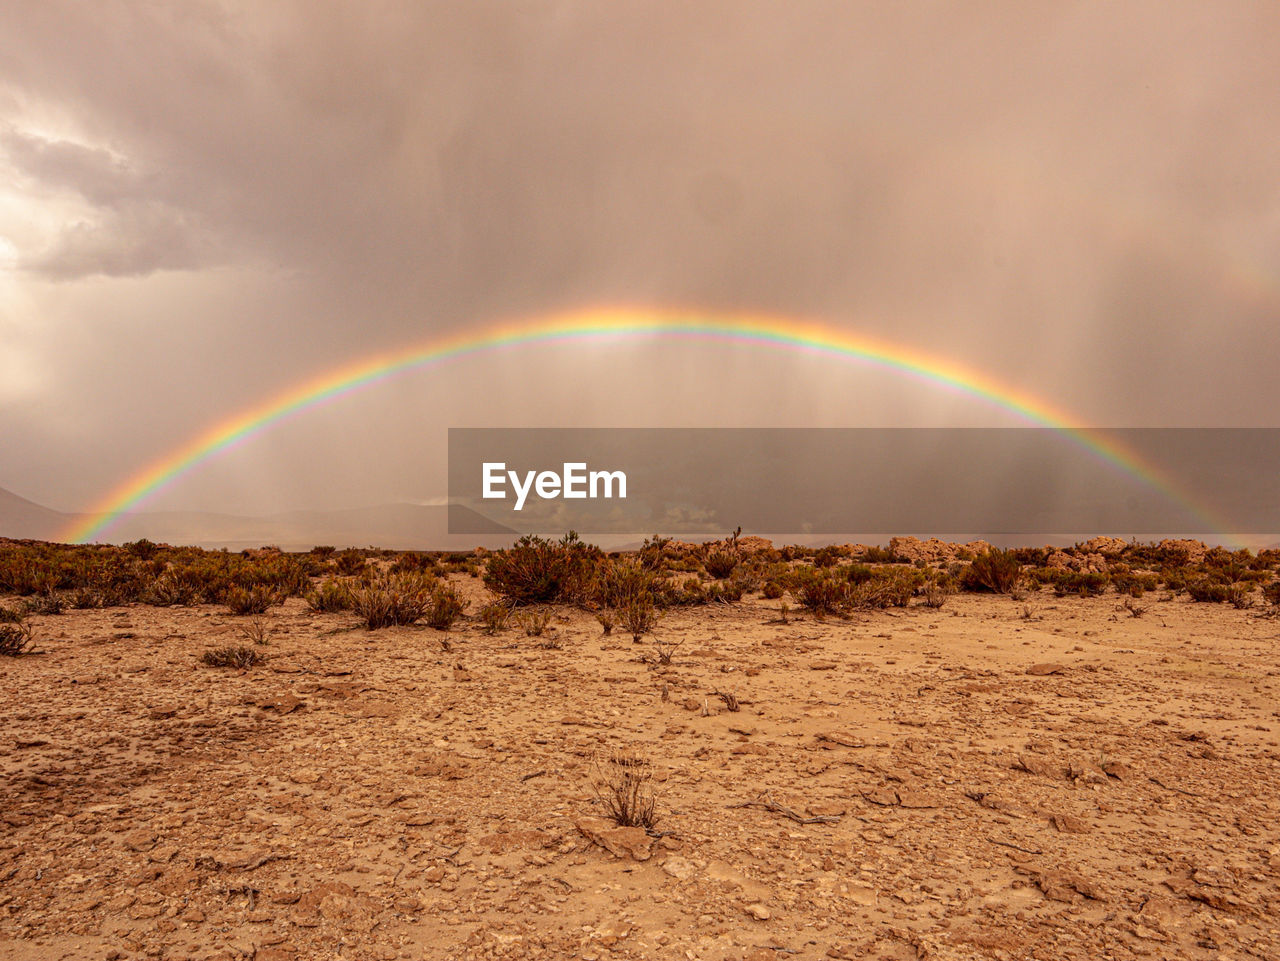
(1053, 779)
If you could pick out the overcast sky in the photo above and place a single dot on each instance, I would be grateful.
(201, 203)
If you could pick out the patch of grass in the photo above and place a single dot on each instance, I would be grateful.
(495, 617)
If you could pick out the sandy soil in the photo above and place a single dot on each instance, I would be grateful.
(1054, 779)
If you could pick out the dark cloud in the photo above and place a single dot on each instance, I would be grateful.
(228, 196)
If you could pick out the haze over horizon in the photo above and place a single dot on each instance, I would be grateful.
(201, 205)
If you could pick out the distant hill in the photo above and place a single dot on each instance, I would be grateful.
(393, 526)
(21, 518)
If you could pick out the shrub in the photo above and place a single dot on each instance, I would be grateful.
(330, 597)
(257, 631)
(720, 565)
(350, 563)
(1207, 590)
(995, 570)
(622, 785)
(494, 617)
(539, 571)
(1272, 592)
(772, 590)
(607, 620)
(249, 600)
(534, 623)
(17, 638)
(445, 608)
(231, 656)
(935, 595)
(639, 616)
(393, 599)
(823, 593)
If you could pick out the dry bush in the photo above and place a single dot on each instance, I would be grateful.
(331, 597)
(17, 638)
(607, 620)
(622, 784)
(393, 599)
(935, 595)
(721, 564)
(540, 571)
(994, 570)
(495, 617)
(250, 600)
(257, 631)
(237, 656)
(665, 649)
(534, 623)
(445, 608)
(639, 616)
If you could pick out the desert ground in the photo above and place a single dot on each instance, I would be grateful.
(1049, 777)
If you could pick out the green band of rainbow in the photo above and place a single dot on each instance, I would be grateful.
(597, 324)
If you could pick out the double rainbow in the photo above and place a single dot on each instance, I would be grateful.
(598, 325)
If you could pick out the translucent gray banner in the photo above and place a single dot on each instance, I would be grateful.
(940, 481)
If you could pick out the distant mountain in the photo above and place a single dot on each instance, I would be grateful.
(393, 526)
(21, 518)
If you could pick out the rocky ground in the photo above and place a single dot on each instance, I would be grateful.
(1053, 778)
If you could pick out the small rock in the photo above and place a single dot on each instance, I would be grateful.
(631, 843)
(758, 911)
(1042, 670)
(679, 868)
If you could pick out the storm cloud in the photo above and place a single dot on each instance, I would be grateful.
(205, 202)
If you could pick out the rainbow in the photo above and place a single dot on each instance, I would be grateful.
(602, 325)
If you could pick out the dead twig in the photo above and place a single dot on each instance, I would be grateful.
(1016, 847)
(530, 777)
(1170, 787)
(769, 804)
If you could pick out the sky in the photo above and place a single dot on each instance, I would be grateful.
(202, 204)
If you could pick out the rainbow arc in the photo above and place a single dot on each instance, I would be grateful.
(605, 324)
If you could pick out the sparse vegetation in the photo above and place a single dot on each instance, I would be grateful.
(495, 617)
(17, 637)
(622, 785)
(639, 616)
(237, 656)
(392, 600)
(534, 623)
(996, 571)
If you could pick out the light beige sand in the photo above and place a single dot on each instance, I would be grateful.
(370, 795)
